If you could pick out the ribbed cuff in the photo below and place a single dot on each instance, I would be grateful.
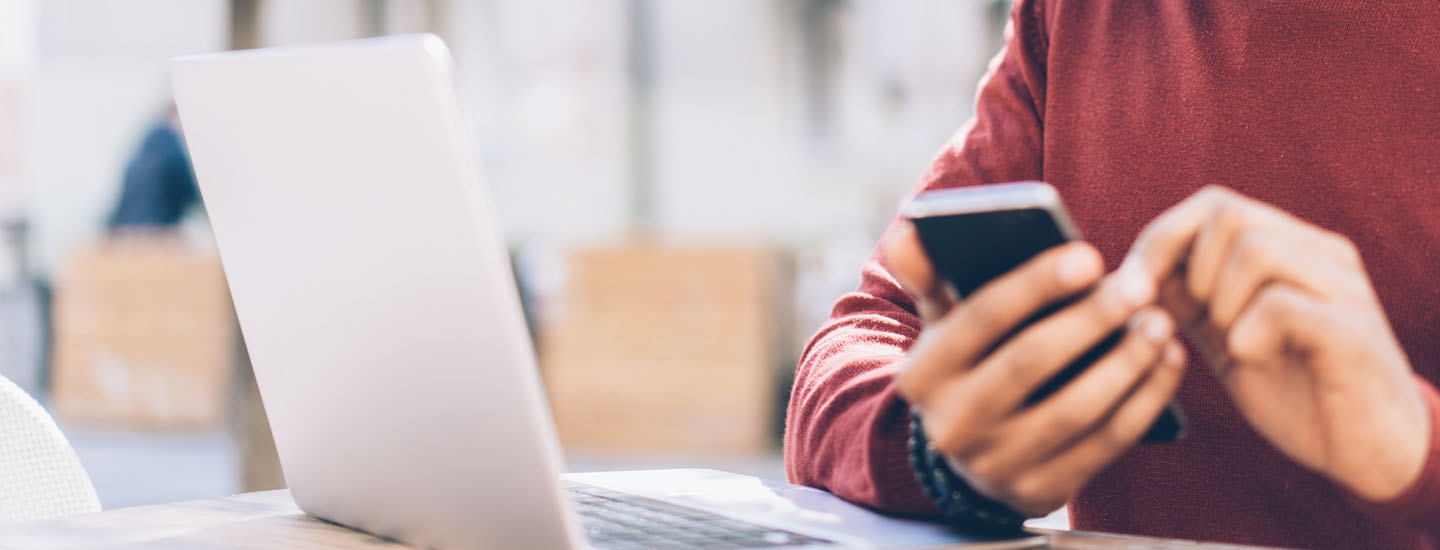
(1420, 504)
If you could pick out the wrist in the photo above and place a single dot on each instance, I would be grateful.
(1400, 461)
(959, 503)
(1419, 504)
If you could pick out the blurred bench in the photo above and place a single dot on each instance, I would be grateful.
(144, 337)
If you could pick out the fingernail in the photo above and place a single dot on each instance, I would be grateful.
(1156, 328)
(1136, 289)
(1076, 268)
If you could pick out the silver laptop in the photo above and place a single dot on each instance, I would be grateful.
(375, 294)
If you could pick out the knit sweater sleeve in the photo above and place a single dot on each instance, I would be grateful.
(1420, 504)
(846, 426)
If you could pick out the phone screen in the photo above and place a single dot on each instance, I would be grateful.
(970, 249)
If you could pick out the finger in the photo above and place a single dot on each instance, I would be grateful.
(1037, 353)
(1256, 259)
(1229, 215)
(1165, 242)
(1191, 317)
(1076, 409)
(1176, 299)
(1281, 319)
(1237, 217)
(1064, 474)
(907, 262)
(971, 329)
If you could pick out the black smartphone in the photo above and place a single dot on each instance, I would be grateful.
(977, 233)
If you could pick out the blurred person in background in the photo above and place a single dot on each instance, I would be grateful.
(1304, 294)
(159, 184)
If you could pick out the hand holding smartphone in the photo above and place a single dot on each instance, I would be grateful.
(973, 235)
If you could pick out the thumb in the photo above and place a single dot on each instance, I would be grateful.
(907, 261)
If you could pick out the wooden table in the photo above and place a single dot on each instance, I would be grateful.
(269, 519)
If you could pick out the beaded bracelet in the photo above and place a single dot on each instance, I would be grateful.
(961, 505)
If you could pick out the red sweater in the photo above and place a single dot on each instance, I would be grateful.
(1326, 108)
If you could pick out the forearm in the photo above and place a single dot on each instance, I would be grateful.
(846, 429)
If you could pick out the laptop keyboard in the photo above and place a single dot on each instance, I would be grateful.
(622, 521)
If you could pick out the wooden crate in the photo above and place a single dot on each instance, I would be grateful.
(658, 348)
(144, 337)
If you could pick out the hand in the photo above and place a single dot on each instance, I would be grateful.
(1286, 316)
(971, 381)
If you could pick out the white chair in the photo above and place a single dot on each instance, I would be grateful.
(40, 476)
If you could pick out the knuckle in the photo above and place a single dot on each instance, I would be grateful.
(1251, 252)
(1346, 248)
(1229, 214)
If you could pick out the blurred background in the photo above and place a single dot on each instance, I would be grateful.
(686, 186)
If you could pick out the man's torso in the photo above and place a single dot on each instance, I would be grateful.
(1331, 113)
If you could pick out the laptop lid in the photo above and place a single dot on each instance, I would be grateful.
(374, 291)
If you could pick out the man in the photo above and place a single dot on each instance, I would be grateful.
(1307, 296)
